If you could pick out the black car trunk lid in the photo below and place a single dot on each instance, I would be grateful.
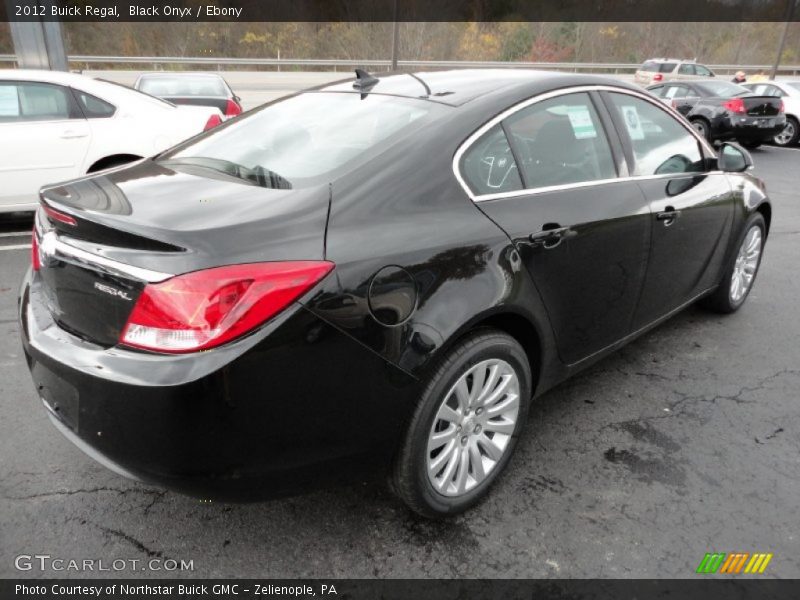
(762, 106)
(103, 239)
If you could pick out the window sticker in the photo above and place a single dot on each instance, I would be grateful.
(581, 120)
(9, 101)
(632, 122)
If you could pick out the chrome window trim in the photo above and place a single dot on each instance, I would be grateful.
(477, 134)
(49, 242)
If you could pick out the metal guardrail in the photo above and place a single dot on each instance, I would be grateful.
(219, 62)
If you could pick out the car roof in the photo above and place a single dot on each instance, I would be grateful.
(178, 75)
(459, 86)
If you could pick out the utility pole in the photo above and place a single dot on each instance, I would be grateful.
(789, 15)
(39, 42)
(395, 37)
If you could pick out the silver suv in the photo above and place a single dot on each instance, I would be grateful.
(670, 69)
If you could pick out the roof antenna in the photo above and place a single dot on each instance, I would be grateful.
(364, 80)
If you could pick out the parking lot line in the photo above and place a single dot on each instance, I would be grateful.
(15, 247)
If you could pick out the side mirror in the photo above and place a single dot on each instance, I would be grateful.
(732, 158)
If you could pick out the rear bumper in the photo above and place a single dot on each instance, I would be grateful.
(750, 129)
(296, 405)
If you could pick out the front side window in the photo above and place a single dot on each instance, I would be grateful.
(489, 167)
(304, 138)
(33, 101)
(701, 70)
(661, 145)
(560, 141)
(686, 69)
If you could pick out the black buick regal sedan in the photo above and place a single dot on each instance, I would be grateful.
(375, 277)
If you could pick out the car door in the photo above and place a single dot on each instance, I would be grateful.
(44, 139)
(548, 174)
(686, 71)
(691, 205)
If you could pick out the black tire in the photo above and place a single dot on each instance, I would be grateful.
(720, 301)
(794, 138)
(410, 479)
(702, 127)
(751, 145)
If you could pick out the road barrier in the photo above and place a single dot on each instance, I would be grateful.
(158, 62)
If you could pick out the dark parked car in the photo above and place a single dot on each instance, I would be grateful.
(375, 277)
(197, 89)
(721, 110)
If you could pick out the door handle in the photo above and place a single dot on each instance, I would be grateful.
(71, 135)
(668, 216)
(550, 236)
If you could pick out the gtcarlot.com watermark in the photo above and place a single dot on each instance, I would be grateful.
(48, 563)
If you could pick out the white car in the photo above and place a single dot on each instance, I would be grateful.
(789, 92)
(56, 126)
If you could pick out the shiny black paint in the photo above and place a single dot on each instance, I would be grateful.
(724, 124)
(324, 391)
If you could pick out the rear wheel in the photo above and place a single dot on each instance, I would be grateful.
(790, 134)
(742, 270)
(701, 126)
(466, 425)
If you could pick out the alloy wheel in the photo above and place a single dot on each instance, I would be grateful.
(785, 137)
(473, 427)
(700, 128)
(744, 269)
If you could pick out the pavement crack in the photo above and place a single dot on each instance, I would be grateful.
(131, 540)
(157, 494)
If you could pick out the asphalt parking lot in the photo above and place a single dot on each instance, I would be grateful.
(685, 442)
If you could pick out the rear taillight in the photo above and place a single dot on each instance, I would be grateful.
(59, 216)
(735, 105)
(212, 122)
(658, 77)
(204, 309)
(781, 107)
(35, 263)
(232, 108)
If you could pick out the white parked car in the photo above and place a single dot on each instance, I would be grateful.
(789, 92)
(56, 126)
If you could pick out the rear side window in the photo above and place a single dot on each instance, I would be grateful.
(676, 91)
(489, 166)
(93, 107)
(560, 141)
(667, 67)
(34, 101)
(661, 145)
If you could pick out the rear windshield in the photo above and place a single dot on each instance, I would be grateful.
(308, 136)
(182, 86)
(655, 67)
(722, 89)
